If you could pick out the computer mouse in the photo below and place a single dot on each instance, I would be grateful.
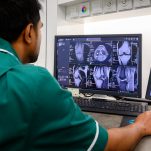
(131, 121)
(127, 120)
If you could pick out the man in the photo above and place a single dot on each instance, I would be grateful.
(35, 113)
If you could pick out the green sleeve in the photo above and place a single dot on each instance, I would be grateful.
(59, 124)
(102, 140)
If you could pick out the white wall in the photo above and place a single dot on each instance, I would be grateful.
(67, 27)
(70, 29)
(51, 32)
(43, 49)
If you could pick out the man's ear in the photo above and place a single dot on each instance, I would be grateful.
(28, 33)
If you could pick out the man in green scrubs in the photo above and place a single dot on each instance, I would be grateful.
(36, 114)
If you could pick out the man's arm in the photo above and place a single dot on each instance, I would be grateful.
(126, 138)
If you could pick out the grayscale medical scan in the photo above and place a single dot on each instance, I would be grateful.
(109, 63)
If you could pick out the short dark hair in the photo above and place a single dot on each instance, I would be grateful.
(15, 15)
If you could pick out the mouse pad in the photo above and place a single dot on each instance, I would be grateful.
(127, 120)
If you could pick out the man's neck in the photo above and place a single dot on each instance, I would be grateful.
(21, 51)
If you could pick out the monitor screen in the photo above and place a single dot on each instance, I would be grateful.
(104, 64)
(148, 92)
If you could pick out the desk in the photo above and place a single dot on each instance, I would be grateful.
(110, 121)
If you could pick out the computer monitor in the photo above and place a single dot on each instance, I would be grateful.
(148, 92)
(102, 64)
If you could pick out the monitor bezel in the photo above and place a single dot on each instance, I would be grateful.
(102, 92)
(147, 96)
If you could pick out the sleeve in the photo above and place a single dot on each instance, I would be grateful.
(59, 124)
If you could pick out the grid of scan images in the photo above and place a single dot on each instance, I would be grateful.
(97, 63)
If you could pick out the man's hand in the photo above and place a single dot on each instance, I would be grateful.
(126, 138)
(144, 122)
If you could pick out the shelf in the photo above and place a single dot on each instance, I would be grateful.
(70, 2)
(114, 16)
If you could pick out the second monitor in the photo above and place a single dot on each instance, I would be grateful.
(104, 64)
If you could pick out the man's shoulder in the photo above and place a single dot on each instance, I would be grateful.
(30, 78)
(30, 75)
(29, 71)
(29, 67)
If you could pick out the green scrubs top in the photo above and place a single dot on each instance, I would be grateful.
(36, 114)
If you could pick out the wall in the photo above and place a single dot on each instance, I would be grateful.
(70, 29)
(51, 32)
(43, 48)
(67, 27)
(56, 25)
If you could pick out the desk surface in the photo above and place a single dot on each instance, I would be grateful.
(110, 121)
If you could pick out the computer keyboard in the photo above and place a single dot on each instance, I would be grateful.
(119, 107)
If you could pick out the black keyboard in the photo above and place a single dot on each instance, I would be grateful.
(119, 107)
